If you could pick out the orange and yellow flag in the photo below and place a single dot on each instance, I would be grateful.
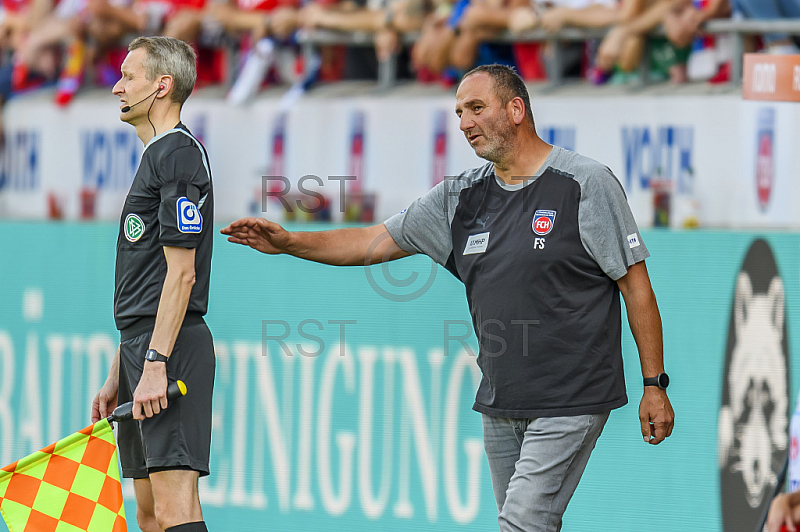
(70, 486)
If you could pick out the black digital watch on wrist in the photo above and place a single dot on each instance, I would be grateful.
(154, 356)
(661, 380)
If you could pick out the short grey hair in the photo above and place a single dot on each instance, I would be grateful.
(169, 57)
(507, 86)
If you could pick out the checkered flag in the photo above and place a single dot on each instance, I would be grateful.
(71, 486)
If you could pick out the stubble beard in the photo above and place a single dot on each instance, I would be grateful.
(500, 144)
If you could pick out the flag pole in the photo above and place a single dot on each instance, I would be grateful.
(124, 412)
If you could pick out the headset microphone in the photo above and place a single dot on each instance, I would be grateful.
(129, 107)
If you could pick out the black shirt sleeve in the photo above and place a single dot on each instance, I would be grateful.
(182, 175)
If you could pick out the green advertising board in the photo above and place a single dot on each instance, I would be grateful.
(343, 395)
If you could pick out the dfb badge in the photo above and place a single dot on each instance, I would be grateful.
(543, 221)
(134, 227)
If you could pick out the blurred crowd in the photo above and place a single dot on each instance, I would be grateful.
(74, 43)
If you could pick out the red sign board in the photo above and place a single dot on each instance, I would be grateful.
(771, 77)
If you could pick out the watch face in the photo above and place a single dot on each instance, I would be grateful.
(663, 380)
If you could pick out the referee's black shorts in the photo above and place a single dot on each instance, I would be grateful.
(180, 436)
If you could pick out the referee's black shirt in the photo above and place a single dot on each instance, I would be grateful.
(170, 203)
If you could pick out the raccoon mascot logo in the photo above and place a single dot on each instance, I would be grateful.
(754, 418)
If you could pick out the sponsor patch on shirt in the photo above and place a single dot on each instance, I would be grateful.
(477, 243)
(134, 227)
(543, 221)
(189, 218)
(633, 241)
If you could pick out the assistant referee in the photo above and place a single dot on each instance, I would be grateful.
(161, 293)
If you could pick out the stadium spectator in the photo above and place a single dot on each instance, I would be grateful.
(41, 50)
(17, 18)
(185, 20)
(582, 14)
(454, 36)
(246, 18)
(188, 21)
(784, 511)
(771, 10)
(180, 19)
(270, 23)
(482, 20)
(386, 20)
(457, 40)
(251, 20)
(110, 20)
(84, 30)
(577, 13)
(431, 53)
(624, 44)
(682, 24)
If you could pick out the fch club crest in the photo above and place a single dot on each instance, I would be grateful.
(543, 221)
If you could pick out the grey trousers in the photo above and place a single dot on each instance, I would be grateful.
(535, 466)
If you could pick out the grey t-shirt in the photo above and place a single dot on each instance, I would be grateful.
(539, 261)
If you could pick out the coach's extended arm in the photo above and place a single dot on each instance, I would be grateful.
(352, 246)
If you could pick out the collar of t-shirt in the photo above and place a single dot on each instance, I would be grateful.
(550, 161)
(167, 132)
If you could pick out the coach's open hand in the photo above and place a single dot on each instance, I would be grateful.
(656, 415)
(259, 234)
(150, 396)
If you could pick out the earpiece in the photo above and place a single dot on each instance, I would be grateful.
(161, 87)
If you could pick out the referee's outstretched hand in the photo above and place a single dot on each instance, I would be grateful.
(259, 234)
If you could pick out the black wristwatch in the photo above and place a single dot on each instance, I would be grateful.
(154, 356)
(661, 380)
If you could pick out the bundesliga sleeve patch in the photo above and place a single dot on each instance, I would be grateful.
(189, 218)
